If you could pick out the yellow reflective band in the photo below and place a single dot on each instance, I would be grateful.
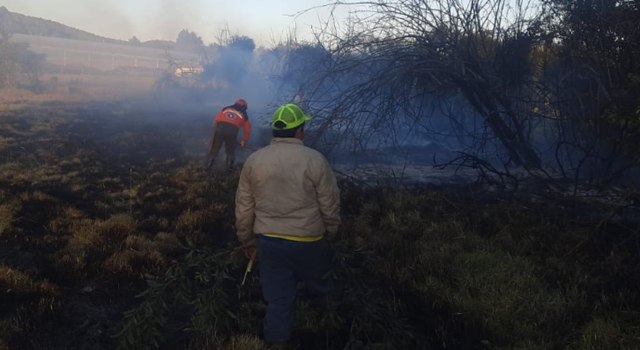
(294, 238)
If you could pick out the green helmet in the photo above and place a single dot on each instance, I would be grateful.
(290, 115)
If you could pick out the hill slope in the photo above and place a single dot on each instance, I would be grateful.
(15, 23)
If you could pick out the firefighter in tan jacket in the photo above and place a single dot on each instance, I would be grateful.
(287, 203)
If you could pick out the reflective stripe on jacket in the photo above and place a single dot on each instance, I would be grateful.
(287, 188)
(231, 116)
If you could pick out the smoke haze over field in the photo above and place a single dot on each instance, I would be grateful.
(383, 81)
(263, 21)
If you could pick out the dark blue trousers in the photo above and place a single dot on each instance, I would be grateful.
(283, 264)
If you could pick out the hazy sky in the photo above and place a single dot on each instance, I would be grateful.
(266, 21)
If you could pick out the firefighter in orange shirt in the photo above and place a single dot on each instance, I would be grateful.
(225, 131)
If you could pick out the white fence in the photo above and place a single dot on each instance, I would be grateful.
(73, 54)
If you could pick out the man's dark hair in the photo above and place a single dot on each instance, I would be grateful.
(286, 132)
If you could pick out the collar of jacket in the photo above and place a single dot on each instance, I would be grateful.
(286, 140)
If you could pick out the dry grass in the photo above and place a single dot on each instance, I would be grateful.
(78, 88)
(192, 220)
(86, 219)
(69, 211)
(244, 342)
(7, 213)
(14, 281)
(91, 241)
(138, 256)
(498, 274)
(608, 333)
(26, 301)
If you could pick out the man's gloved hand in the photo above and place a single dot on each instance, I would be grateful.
(243, 143)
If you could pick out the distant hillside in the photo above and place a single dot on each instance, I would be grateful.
(15, 23)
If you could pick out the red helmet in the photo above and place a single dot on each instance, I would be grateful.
(241, 102)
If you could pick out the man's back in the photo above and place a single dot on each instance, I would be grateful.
(287, 201)
(292, 188)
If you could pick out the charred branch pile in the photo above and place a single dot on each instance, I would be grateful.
(514, 85)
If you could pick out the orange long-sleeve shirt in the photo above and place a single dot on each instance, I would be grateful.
(231, 116)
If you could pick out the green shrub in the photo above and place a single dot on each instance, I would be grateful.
(193, 291)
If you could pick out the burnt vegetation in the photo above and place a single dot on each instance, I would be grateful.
(112, 235)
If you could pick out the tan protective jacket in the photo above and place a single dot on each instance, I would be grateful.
(288, 189)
